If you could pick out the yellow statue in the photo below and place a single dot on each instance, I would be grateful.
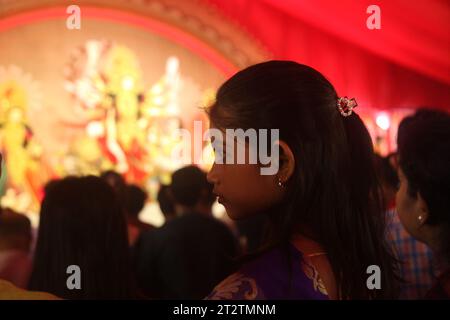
(124, 83)
(22, 154)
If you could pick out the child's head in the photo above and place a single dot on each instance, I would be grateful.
(316, 155)
(325, 183)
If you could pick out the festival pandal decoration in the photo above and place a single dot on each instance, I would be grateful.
(130, 129)
(126, 126)
(23, 164)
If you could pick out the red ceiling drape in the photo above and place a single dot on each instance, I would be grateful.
(404, 64)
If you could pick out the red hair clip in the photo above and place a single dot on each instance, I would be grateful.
(346, 105)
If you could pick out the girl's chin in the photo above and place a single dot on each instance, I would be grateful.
(232, 212)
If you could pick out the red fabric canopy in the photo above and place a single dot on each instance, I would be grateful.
(404, 64)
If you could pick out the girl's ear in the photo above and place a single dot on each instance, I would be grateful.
(286, 163)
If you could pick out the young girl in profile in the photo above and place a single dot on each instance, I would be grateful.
(323, 204)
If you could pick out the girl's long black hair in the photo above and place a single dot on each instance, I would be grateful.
(334, 189)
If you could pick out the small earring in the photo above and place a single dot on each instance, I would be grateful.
(280, 184)
(419, 218)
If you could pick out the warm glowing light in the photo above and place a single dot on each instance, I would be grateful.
(95, 129)
(142, 123)
(383, 121)
(158, 100)
(127, 83)
(172, 109)
(172, 65)
(157, 89)
(153, 112)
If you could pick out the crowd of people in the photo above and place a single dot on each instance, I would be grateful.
(311, 231)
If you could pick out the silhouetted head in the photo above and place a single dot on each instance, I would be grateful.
(117, 182)
(423, 199)
(166, 202)
(191, 190)
(135, 200)
(387, 176)
(82, 224)
(15, 231)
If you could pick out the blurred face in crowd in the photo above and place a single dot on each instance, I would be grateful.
(412, 210)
